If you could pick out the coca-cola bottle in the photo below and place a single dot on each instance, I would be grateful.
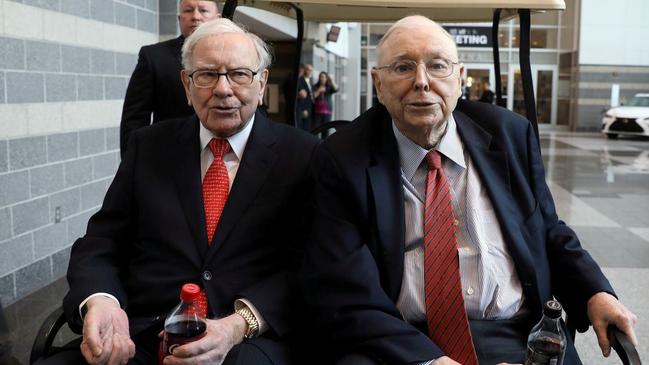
(186, 322)
(546, 344)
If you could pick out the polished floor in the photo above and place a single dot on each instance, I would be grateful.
(601, 189)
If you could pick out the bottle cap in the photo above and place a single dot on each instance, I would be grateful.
(189, 292)
(552, 309)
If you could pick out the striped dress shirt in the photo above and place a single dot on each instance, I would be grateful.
(490, 283)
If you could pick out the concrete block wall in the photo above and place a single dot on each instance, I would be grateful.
(64, 68)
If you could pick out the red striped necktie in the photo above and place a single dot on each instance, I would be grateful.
(448, 325)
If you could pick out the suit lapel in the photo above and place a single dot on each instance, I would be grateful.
(492, 166)
(258, 160)
(384, 176)
(186, 168)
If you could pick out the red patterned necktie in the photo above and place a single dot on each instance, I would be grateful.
(448, 325)
(216, 186)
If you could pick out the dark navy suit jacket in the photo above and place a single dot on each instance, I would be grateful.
(155, 89)
(149, 236)
(354, 261)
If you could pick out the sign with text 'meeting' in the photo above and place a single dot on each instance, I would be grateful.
(471, 36)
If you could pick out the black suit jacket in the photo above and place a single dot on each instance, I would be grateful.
(149, 236)
(155, 88)
(354, 261)
(305, 104)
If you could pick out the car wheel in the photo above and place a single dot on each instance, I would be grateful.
(611, 135)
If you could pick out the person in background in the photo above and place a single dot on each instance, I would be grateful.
(155, 91)
(222, 199)
(487, 95)
(435, 238)
(322, 92)
(305, 98)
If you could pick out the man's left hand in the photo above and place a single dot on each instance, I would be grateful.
(222, 334)
(605, 310)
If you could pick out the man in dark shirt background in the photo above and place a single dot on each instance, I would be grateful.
(155, 87)
(487, 95)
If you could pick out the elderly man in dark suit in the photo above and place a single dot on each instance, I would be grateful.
(221, 199)
(436, 238)
(155, 91)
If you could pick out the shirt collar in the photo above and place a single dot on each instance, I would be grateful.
(237, 141)
(411, 154)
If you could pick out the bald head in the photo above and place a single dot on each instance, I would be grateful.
(418, 23)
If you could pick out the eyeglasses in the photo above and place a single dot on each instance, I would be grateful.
(209, 78)
(438, 68)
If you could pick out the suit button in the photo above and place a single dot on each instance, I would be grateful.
(207, 275)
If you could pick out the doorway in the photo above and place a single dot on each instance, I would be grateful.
(544, 80)
(475, 77)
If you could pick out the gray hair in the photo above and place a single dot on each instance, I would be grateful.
(222, 26)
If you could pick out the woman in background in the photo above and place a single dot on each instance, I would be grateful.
(322, 92)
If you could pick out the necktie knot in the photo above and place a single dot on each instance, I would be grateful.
(219, 147)
(433, 160)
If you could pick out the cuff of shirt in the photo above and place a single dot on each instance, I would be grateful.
(263, 326)
(81, 314)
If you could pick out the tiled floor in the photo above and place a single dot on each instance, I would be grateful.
(601, 189)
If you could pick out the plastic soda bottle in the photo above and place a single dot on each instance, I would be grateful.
(546, 344)
(186, 322)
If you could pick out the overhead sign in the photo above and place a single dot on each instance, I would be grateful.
(471, 36)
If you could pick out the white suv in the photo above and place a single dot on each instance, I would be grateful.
(631, 119)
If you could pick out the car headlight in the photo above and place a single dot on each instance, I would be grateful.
(608, 115)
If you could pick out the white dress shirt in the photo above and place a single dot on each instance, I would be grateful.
(490, 283)
(232, 160)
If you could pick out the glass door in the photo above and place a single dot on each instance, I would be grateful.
(477, 78)
(544, 80)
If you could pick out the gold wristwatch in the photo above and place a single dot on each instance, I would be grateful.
(249, 317)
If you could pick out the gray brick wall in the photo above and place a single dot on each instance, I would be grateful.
(51, 185)
(25, 87)
(2, 88)
(35, 72)
(120, 12)
(12, 54)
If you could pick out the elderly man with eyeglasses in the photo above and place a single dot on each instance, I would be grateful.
(220, 199)
(436, 238)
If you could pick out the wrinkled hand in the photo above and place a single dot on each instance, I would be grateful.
(222, 335)
(105, 333)
(604, 310)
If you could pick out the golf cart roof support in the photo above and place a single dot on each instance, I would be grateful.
(228, 12)
(526, 70)
(496, 51)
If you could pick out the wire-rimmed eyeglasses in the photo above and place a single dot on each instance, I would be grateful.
(407, 69)
(209, 78)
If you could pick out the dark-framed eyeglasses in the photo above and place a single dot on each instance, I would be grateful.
(437, 68)
(209, 78)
